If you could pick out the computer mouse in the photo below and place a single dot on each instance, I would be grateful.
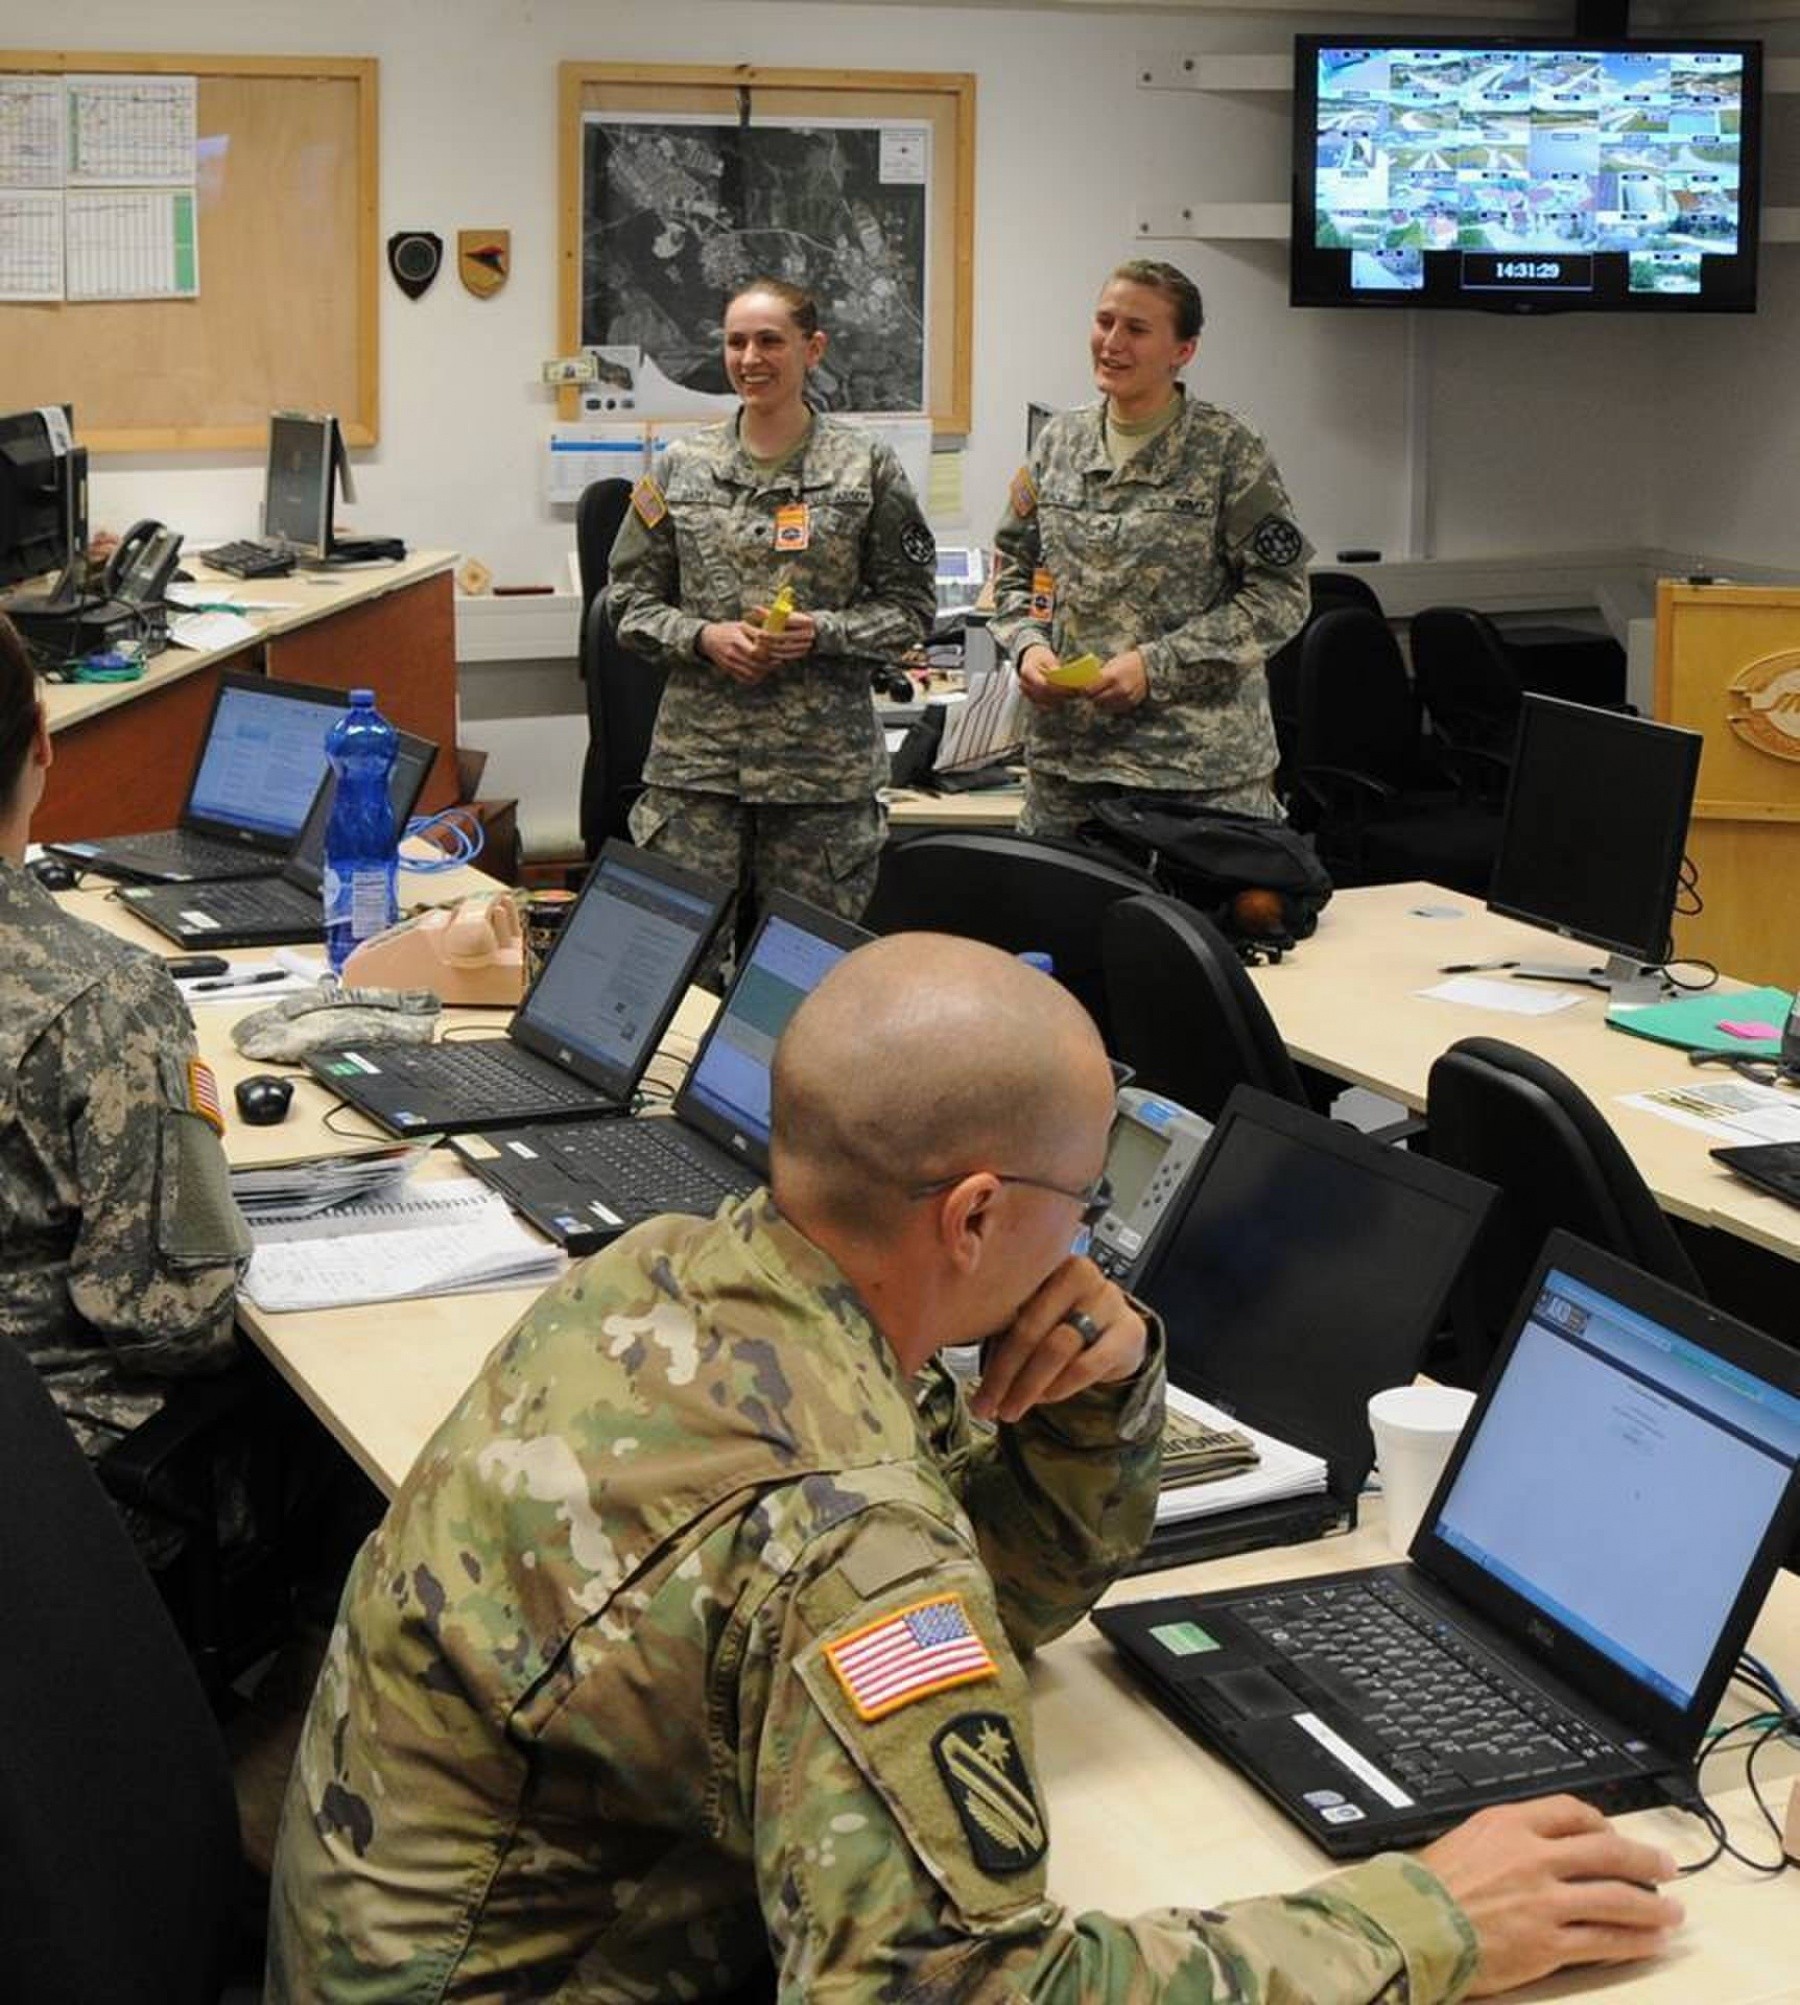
(263, 1098)
(52, 873)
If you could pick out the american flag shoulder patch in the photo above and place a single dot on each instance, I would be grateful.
(904, 1656)
(203, 1095)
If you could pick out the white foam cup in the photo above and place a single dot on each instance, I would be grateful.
(1415, 1427)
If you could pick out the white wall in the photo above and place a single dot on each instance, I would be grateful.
(1557, 434)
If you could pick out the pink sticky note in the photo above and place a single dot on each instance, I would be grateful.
(1750, 1027)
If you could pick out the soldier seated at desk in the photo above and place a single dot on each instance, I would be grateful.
(686, 1662)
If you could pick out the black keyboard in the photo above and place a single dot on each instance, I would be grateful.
(261, 901)
(249, 560)
(637, 1168)
(1447, 1717)
(178, 852)
(484, 1073)
(1771, 1166)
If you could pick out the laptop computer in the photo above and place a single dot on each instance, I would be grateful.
(585, 1182)
(580, 1040)
(1578, 1591)
(267, 911)
(261, 760)
(1308, 1268)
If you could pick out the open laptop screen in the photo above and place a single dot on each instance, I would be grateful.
(264, 756)
(1671, 1460)
(406, 781)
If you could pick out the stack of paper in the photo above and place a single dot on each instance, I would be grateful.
(448, 1237)
(288, 1191)
(1280, 1471)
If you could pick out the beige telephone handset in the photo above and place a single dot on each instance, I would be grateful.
(474, 953)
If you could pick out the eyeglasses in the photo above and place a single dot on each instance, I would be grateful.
(1095, 1199)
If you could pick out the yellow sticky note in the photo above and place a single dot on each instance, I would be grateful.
(1081, 673)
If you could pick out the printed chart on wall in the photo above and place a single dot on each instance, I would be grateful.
(677, 211)
(97, 188)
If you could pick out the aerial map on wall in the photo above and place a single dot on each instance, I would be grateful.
(678, 212)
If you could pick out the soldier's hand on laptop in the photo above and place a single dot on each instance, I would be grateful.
(1077, 1330)
(1550, 1883)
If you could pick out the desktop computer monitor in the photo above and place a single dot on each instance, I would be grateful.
(303, 455)
(43, 499)
(1037, 416)
(1596, 817)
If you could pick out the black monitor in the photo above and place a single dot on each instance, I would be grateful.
(303, 457)
(1525, 175)
(1596, 819)
(43, 501)
(1037, 416)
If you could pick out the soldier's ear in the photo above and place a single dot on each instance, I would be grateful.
(43, 746)
(816, 345)
(1186, 352)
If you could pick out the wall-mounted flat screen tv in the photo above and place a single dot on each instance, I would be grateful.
(1520, 176)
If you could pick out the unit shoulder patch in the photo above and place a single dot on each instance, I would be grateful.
(978, 1756)
(647, 500)
(1276, 541)
(917, 544)
(1023, 494)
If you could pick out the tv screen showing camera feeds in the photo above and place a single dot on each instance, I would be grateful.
(1526, 176)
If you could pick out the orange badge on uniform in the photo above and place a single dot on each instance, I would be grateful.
(203, 1095)
(647, 500)
(793, 526)
(1023, 493)
(925, 1648)
(1043, 595)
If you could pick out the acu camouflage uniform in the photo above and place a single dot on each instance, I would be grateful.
(1188, 553)
(580, 1735)
(781, 776)
(120, 1244)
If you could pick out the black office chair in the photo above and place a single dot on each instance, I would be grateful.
(1014, 892)
(1332, 589)
(1470, 688)
(1511, 1118)
(598, 515)
(623, 693)
(1385, 813)
(118, 1830)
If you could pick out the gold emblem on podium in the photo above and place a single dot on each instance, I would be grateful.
(1762, 704)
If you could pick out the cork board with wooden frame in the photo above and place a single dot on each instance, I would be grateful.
(880, 108)
(287, 315)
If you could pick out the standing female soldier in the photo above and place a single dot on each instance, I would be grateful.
(1153, 531)
(767, 755)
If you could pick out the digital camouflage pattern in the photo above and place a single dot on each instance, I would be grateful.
(1188, 553)
(867, 576)
(120, 1244)
(827, 854)
(581, 1734)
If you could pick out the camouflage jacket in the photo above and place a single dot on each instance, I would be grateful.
(688, 1654)
(704, 546)
(120, 1245)
(1188, 553)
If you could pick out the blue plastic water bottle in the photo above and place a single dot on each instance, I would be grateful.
(361, 842)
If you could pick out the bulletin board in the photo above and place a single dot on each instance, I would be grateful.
(841, 212)
(287, 312)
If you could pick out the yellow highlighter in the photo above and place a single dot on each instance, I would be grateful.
(779, 608)
(1081, 673)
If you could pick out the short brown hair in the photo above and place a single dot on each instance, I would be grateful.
(18, 708)
(802, 308)
(1175, 286)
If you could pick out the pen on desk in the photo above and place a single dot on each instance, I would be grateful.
(239, 981)
(1474, 967)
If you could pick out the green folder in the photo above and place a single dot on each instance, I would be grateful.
(1693, 1022)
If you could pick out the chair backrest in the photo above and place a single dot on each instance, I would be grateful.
(624, 691)
(597, 517)
(1512, 1118)
(118, 1829)
(1332, 589)
(1010, 890)
(1184, 1014)
(1465, 678)
(1357, 709)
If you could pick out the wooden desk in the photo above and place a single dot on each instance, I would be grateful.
(1347, 1001)
(984, 808)
(125, 750)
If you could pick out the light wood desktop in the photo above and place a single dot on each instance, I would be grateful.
(1348, 1001)
(125, 750)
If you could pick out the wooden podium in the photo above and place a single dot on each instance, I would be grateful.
(1728, 666)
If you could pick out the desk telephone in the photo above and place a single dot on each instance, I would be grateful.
(139, 570)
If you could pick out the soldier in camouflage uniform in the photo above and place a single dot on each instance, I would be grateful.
(1153, 531)
(767, 754)
(121, 1244)
(686, 1662)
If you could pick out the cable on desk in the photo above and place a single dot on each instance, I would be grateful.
(367, 1134)
(1782, 1722)
(467, 839)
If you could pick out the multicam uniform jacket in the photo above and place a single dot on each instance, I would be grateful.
(688, 1648)
(713, 536)
(120, 1245)
(1188, 553)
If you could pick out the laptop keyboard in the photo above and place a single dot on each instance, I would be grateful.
(177, 850)
(262, 901)
(1446, 1718)
(482, 1074)
(637, 1169)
